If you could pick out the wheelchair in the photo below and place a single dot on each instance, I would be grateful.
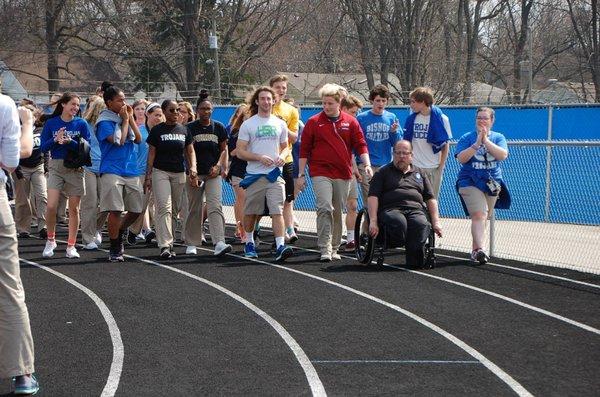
(367, 245)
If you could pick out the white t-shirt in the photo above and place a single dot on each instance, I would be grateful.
(10, 134)
(264, 135)
(423, 156)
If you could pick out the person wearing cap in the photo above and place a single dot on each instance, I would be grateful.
(154, 116)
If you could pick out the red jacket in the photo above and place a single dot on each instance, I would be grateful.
(328, 146)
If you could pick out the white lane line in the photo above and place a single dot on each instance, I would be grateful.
(395, 362)
(116, 367)
(506, 378)
(505, 266)
(316, 386)
(490, 293)
(542, 274)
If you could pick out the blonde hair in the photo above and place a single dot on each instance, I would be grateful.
(94, 107)
(350, 101)
(333, 90)
(190, 110)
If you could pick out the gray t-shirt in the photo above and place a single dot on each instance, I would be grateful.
(264, 136)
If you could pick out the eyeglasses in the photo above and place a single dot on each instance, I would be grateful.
(402, 153)
(483, 118)
(174, 110)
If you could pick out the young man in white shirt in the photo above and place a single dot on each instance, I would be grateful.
(263, 143)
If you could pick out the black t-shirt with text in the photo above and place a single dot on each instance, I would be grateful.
(398, 190)
(36, 157)
(207, 140)
(170, 142)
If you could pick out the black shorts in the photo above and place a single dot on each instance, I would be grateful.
(288, 177)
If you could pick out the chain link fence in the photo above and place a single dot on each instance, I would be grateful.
(555, 214)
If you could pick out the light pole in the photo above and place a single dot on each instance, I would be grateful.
(214, 45)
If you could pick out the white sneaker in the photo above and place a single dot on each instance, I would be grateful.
(49, 249)
(221, 248)
(72, 252)
(91, 246)
(335, 256)
(98, 239)
(191, 250)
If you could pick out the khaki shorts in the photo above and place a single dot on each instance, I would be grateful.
(67, 180)
(353, 192)
(119, 193)
(476, 200)
(235, 181)
(273, 192)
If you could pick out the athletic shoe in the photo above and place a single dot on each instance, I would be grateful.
(478, 255)
(25, 385)
(98, 239)
(72, 252)
(115, 256)
(325, 258)
(131, 238)
(49, 249)
(221, 248)
(292, 238)
(24, 235)
(150, 235)
(351, 245)
(250, 251)
(91, 246)
(335, 256)
(283, 252)
(43, 233)
(165, 252)
(191, 250)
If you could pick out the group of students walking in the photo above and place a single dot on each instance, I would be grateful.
(163, 165)
(147, 169)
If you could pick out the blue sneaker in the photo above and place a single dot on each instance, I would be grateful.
(26, 385)
(250, 251)
(283, 252)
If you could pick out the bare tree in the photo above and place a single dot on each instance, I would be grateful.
(585, 18)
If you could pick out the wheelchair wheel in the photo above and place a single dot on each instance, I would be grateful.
(365, 244)
(429, 251)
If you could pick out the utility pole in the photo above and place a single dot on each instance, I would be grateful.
(214, 45)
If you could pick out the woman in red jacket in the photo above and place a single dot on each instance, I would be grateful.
(328, 140)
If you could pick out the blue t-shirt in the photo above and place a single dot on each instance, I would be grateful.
(94, 154)
(380, 140)
(115, 159)
(478, 170)
(142, 151)
(75, 128)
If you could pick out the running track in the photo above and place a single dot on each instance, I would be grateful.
(200, 326)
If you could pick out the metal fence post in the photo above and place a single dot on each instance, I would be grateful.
(548, 166)
(492, 232)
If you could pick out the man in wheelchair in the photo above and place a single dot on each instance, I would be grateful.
(398, 196)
